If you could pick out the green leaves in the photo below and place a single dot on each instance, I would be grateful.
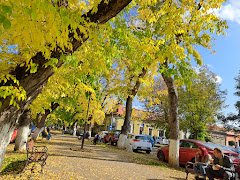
(200, 102)
(5, 22)
(51, 62)
(16, 94)
(5, 12)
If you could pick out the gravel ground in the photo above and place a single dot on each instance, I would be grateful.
(67, 161)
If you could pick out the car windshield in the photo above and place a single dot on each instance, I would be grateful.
(212, 146)
(141, 137)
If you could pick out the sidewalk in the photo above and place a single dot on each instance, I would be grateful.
(67, 161)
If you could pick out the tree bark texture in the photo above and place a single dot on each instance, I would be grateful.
(173, 122)
(23, 131)
(33, 83)
(7, 126)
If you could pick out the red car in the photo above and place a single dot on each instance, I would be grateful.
(189, 147)
(111, 138)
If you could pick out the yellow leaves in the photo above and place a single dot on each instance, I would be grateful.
(160, 42)
(40, 27)
(197, 57)
(14, 92)
(98, 116)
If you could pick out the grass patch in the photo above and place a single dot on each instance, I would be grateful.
(13, 163)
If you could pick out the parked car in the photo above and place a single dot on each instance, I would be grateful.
(162, 140)
(111, 138)
(102, 134)
(150, 138)
(235, 149)
(14, 136)
(140, 143)
(189, 147)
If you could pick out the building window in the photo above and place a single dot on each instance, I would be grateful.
(161, 133)
(141, 130)
(150, 131)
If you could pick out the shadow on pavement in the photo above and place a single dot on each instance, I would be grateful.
(88, 157)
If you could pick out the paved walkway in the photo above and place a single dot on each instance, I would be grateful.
(67, 161)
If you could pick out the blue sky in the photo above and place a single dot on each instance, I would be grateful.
(225, 63)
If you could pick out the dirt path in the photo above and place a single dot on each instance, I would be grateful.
(67, 161)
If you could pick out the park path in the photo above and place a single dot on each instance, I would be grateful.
(67, 161)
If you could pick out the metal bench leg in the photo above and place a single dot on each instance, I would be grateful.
(25, 166)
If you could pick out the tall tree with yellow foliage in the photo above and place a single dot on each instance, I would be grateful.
(43, 35)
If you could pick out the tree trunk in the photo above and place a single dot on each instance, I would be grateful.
(85, 124)
(41, 119)
(37, 132)
(8, 120)
(23, 131)
(21, 140)
(75, 129)
(91, 125)
(173, 122)
(33, 82)
(126, 126)
(40, 124)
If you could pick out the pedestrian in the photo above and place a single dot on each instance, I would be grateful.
(202, 159)
(221, 167)
(44, 134)
(154, 138)
(96, 139)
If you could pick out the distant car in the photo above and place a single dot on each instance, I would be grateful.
(111, 138)
(102, 134)
(189, 147)
(237, 149)
(150, 138)
(162, 140)
(140, 143)
(14, 136)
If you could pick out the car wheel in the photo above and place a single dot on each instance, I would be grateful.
(148, 152)
(161, 156)
(134, 150)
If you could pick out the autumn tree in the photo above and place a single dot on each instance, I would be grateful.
(175, 35)
(132, 67)
(200, 103)
(156, 103)
(170, 30)
(57, 30)
(67, 89)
